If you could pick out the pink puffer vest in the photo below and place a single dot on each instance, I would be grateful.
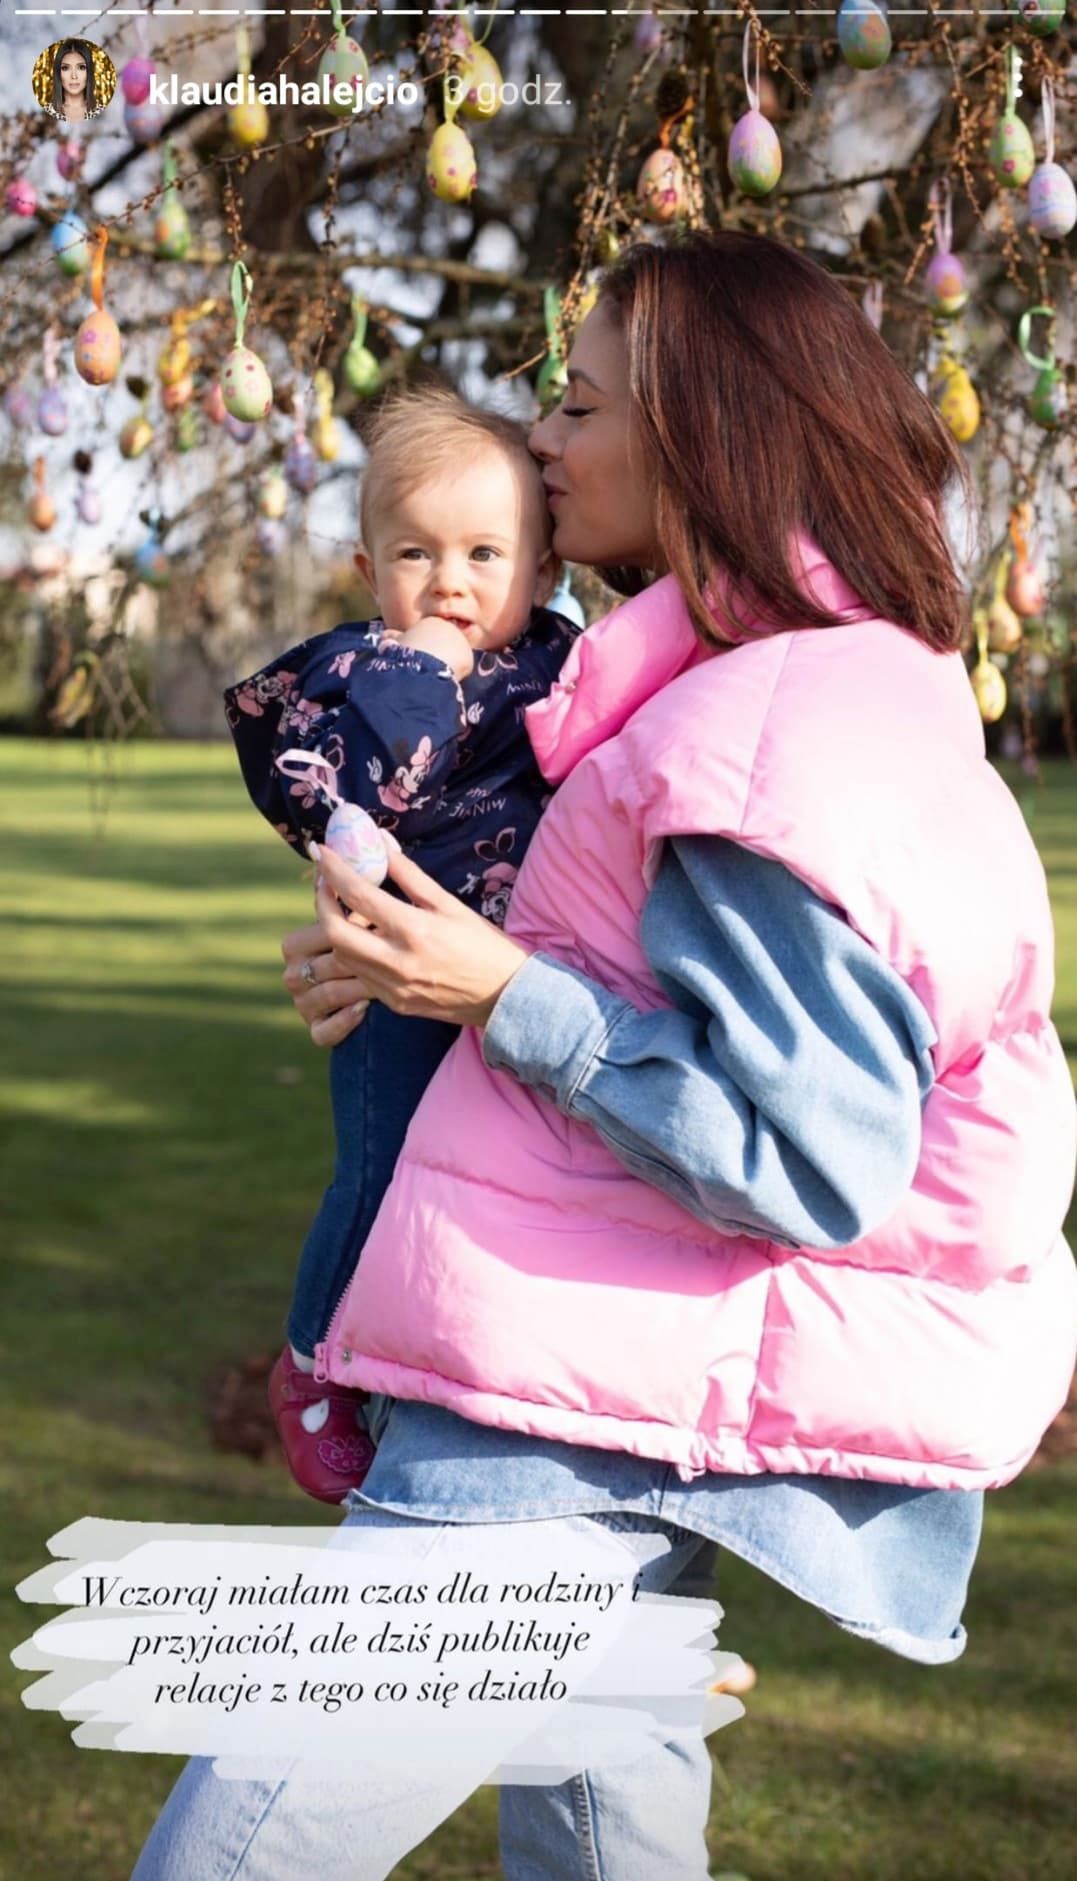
(518, 1274)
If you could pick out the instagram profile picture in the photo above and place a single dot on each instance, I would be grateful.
(73, 80)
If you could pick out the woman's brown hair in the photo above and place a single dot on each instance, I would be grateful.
(767, 402)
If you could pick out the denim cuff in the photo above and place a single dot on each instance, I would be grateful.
(548, 1025)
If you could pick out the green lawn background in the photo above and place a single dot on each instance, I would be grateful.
(165, 1136)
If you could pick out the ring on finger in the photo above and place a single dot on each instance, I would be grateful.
(307, 973)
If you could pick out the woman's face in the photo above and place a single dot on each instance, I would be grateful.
(73, 74)
(600, 493)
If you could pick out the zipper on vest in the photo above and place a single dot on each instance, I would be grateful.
(321, 1350)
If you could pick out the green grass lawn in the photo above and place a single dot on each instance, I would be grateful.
(165, 1137)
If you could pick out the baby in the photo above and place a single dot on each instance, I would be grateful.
(417, 717)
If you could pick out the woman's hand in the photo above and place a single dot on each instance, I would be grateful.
(428, 957)
(327, 1000)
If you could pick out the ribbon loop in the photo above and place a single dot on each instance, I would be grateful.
(752, 91)
(1024, 333)
(941, 201)
(241, 297)
(310, 768)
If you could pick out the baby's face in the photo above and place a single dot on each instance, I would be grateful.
(464, 547)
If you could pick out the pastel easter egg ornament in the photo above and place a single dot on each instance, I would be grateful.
(186, 433)
(1025, 589)
(144, 122)
(21, 197)
(451, 169)
(649, 36)
(661, 187)
(957, 400)
(270, 535)
(1048, 401)
(248, 121)
(864, 34)
(352, 834)
(213, 403)
(342, 70)
(1042, 17)
(755, 154)
(98, 344)
(481, 85)
(136, 80)
(70, 157)
(151, 561)
(945, 282)
(136, 436)
(70, 242)
(19, 406)
(1052, 199)
(245, 384)
(40, 510)
(273, 495)
(52, 412)
(171, 228)
(1011, 154)
(238, 430)
(325, 432)
(361, 369)
(300, 462)
(989, 689)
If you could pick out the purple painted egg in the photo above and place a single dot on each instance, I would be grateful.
(1052, 202)
(144, 122)
(270, 535)
(98, 348)
(52, 411)
(301, 465)
(18, 405)
(88, 504)
(649, 35)
(238, 429)
(246, 386)
(136, 78)
(355, 837)
(755, 155)
(21, 197)
(946, 284)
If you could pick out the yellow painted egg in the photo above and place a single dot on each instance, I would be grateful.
(174, 361)
(136, 436)
(325, 437)
(1003, 626)
(98, 348)
(990, 689)
(248, 124)
(451, 170)
(958, 403)
(482, 84)
(246, 386)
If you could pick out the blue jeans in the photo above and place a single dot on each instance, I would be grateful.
(642, 1821)
(376, 1078)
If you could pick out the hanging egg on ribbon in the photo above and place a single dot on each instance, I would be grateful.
(1052, 199)
(51, 406)
(70, 241)
(661, 187)
(1011, 153)
(325, 432)
(1048, 401)
(248, 121)
(552, 382)
(171, 228)
(144, 122)
(70, 157)
(151, 562)
(180, 393)
(245, 383)
(273, 495)
(755, 154)
(480, 85)
(270, 535)
(945, 281)
(1004, 629)
(342, 70)
(451, 169)
(864, 33)
(1025, 590)
(989, 688)
(136, 436)
(136, 79)
(361, 368)
(300, 463)
(21, 197)
(87, 502)
(213, 403)
(19, 406)
(187, 429)
(956, 399)
(238, 430)
(98, 345)
(40, 510)
(350, 832)
(1042, 17)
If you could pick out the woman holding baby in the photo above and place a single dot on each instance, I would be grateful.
(733, 1216)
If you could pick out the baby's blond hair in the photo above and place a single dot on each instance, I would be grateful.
(422, 430)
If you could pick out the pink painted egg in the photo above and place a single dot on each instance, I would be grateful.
(70, 158)
(1052, 202)
(18, 405)
(213, 403)
(21, 197)
(246, 386)
(1025, 590)
(98, 348)
(178, 394)
(755, 155)
(136, 78)
(947, 285)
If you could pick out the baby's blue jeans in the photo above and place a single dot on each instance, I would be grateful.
(642, 1821)
(376, 1078)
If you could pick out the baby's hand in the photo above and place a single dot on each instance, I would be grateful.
(443, 640)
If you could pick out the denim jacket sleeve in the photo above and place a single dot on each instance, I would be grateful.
(782, 1094)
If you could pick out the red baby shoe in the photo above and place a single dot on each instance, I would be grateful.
(326, 1447)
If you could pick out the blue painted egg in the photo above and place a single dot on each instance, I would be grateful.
(70, 240)
(864, 34)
